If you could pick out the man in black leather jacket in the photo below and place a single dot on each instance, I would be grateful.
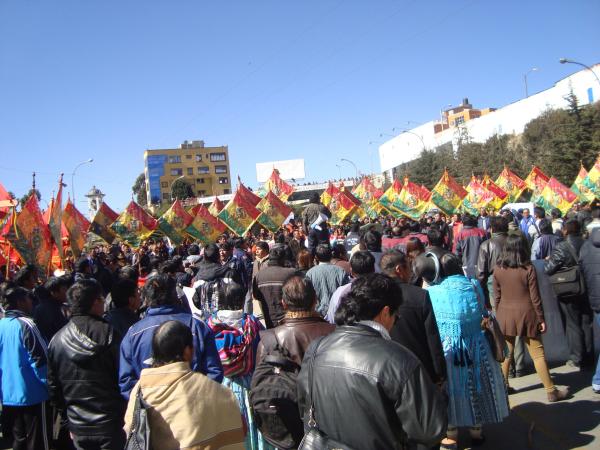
(83, 371)
(575, 311)
(489, 254)
(369, 392)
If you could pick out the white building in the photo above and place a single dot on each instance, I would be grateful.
(511, 119)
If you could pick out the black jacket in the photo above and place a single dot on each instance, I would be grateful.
(417, 330)
(267, 289)
(121, 319)
(83, 373)
(589, 258)
(561, 257)
(370, 393)
(489, 255)
(49, 317)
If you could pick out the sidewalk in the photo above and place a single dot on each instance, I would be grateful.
(536, 424)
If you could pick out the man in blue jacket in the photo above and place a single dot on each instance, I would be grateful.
(136, 348)
(23, 370)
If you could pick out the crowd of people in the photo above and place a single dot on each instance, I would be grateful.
(366, 335)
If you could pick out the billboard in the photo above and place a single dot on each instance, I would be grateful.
(288, 169)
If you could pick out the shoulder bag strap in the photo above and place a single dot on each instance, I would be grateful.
(312, 422)
(572, 251)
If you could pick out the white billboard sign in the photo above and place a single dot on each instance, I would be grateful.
(288, 169)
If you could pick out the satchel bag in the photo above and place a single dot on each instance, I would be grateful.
(315, 439)
(568, 282)
(492, 332)
(139, 435)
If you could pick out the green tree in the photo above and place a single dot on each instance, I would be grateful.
(29, 194)
(181, 189)
(139, 190)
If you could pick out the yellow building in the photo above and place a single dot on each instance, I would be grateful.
(458, 115)
(206, 169)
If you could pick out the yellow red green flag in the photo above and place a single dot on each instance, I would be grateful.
(174, 222)
(273, 212)
(536, 180)
(77, 228)
(134, 224)
(447, 195)
(239, 214)
(556, 195)
(205, 227)
(510, 183)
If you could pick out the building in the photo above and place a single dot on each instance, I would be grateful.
(206, 169)
(480, 125)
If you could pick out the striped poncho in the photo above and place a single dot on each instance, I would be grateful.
(236, 336)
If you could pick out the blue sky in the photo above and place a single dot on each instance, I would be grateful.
(272, 79)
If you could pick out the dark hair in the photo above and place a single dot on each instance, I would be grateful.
(129, 272)
(314, 198)
(469, 221)
(263, 245)
(362, 263)
(323, 252)
(277, 256)
(499, 224)
(55, 283)
(369, 295)
(339, 251)
(355, 227)
(372, 240)
(122, 290)
(25, 273)
(595, 213)
(83, 294)
(414, 226)
(572, 227)
(435, 237)
(305, 259)
(515, 252)
(539, 212)
(391, 259)
(169, 341)
(211, 253)
(11, 295)
(238, 242)
(160, 290)
(556, 214)
(233, 296)
(413, 244)
(450, 264)
(545, 226)
(298, 293)
(193, 249)
(82, 264)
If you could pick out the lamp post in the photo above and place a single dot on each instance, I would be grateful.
(414, 134)
(570, 61)
(533, 69)
(87, 161)
(339, 170)
(351, 162)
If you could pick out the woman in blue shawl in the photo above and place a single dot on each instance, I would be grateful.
(476, 389)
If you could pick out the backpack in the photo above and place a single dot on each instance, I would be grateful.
(273, 395)
(206, 297)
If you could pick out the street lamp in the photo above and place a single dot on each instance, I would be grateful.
(339, 170)
(570, 61)
(73, 176)
(533, 69)
(414, 134)
(351, 162)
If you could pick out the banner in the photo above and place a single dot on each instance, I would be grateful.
(205, 227)
(101, 223)
(239, 214)
(556, 195)
(579, 188)
(274, 212)
(278, 186)
(447, 195)
(174, 222)
(134, 224)
(510, 183)
(77, 228)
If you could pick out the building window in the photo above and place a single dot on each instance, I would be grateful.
(217, 156)
(201, 193)
(176, 172)
(220, 169)
(226, 191)
(459, 120)
(223, 180)
(188, 156)
(198, 158)
(203, 170)
(200, 180)
(164, 184)
(190, 171)
(173, 159)
(166, 196)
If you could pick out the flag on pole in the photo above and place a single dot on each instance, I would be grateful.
(77, 228)
(556, 195)
(205, 227)
(510, 183)
(390, 196)
(329, 193)
(216, 206)
(411, 202)
(367, 192)
(341, 206)
(6, 203)
(477, 197)
(134, 224)
(584, 193)
(55, 221)
(239, 214)
(101, 222)
(536, 180)
(500, 196)
(278, 186)
(447, 195)
(246, 194)
(174, 222)
(30, 236)
(274, 212)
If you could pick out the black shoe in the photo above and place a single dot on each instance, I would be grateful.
(596, 391)
(476, 442)
(511, 390)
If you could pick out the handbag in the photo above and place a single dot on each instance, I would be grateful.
(568, 282)
(315, 439)
(139, 435)
(491, 330)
